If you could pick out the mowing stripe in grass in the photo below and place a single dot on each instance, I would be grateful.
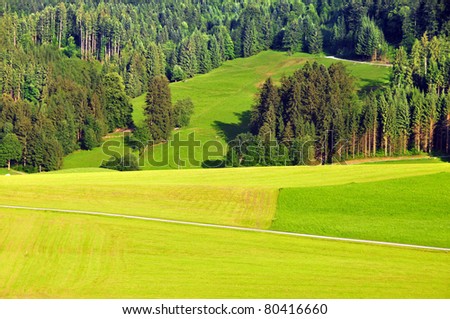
(179, 222)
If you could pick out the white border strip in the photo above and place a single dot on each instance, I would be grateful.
(179, 222)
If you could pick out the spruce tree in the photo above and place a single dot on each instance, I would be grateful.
(158, 108)
(264, 113)
(117, 103)
(214, 49)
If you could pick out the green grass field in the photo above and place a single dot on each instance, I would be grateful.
(4, 171)
(242, 196)
(49, 255)
(222, 100)
(409, 210)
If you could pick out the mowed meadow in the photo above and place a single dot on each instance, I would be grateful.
(222, 101)
(50, 254)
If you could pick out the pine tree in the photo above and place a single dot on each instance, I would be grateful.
(292, 39)
(228, 46)
(369, 39)
(213, 47)
(187, 57)
(158, 109)
(117, 104)
(416, 102)
(313, 36)
(264, 113)
(204, 56)
(401, 70)
(403, 118)
(249, 40)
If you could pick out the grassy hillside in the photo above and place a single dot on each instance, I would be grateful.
(222, 99)
(411, 210)
(49, 255)
(248, 196)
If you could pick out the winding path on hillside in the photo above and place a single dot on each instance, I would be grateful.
(264, 231)
(362, 62)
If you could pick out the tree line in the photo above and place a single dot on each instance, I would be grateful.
(67, 105)
(316, 115)
(68, 68)
(182, 38)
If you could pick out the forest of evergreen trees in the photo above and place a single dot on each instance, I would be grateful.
(315, 116)
(68, 68)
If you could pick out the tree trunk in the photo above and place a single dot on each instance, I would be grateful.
(9, 165)
(366, 138)
(405, 142)
(60, 33)
(430, 138)
(425, 141)
(425, 65)
(82, 42)
(374, 144)
(417, 138)
(353, 144)
(447, 144)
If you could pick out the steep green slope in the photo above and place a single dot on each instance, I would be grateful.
(222, 100)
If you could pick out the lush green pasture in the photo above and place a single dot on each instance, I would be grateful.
(95, 157)
(222, 100)
(409, 210)
(49, 255)
(241, 196)
(4, 171)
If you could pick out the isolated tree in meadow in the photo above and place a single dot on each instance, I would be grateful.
(158, 108)
(10, 149)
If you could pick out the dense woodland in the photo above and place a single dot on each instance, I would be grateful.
(69, 68)
(316, 115)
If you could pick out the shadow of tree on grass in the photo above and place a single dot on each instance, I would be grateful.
(229, 131)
